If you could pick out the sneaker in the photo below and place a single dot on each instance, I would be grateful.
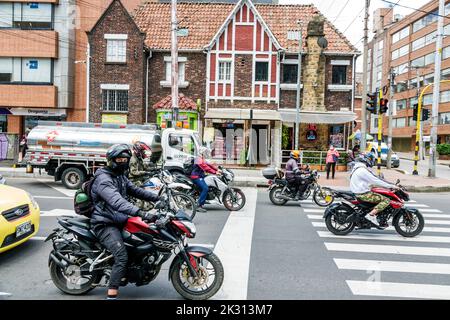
(201, 209)
(372, 219)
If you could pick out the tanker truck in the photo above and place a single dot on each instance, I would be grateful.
(71, 152)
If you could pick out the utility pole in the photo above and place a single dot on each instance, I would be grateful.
(174, 66)
(299, 77)
(391, 104)
(436, 90)
(365, 78)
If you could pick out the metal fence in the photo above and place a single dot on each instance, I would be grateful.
(313, 157)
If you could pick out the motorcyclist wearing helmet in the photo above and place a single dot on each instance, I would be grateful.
(201, 167)
(138, 169)
(362, 179)
(293, 173)
(109, 195)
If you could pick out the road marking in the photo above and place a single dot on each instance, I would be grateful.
(51, 197)
(234, 248)
(38, 238)
(430, 210)
(399, 290)
(417, 205)
(426, 229)
(58, 213)
(313, 210)
(315, 217)
(392, 266)
(425, 215)
(388, 249)
(443, 222)
(67, 192)
(385, 237)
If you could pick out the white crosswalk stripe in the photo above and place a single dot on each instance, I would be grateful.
(358, 249)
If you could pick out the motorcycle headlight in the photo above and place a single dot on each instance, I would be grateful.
(33, 201)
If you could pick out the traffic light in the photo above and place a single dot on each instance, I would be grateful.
(425, 114)
(384, 105)
(372, 103)
(416, 107)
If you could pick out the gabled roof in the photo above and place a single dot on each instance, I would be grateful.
(184, 103)
(204, 22)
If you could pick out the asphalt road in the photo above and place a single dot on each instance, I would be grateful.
(268, 252)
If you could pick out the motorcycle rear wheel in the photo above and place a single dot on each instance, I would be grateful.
(419, 222)
(63, 283)
(332, 223)
(273, 196)
(181, 273)
(323, 197)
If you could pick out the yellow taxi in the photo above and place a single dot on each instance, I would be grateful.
(19, 217)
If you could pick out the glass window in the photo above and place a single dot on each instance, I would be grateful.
(224, 70)
(412, 102)
(400, 35)
(339, 75)
(116, 50)
(182, 143)
(401, 86)
(115, 100)
(445, 96)
(400, 52)
(446, 53)
(181, 71)
(412, 122)
(429, 59)
(399, 122)
(427, 99)
(401, 68)
(425, 21)
(26, 15)
(428, 79)
(290, 73)
(444, 118)
(445, 74)
(261, 71)
(337, 136)
(401, 104)
(26, 70)
(419, 62)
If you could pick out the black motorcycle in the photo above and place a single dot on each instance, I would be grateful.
(281, 191)
(78, 263)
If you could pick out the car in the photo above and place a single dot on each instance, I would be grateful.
(19, 217)
(373, 147)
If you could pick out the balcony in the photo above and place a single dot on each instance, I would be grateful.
(28, 96)
(28, 43)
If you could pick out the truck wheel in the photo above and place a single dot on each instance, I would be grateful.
(73, 178)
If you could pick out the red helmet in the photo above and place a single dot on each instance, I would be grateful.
(141, 149)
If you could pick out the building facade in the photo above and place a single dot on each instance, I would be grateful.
(406, 46)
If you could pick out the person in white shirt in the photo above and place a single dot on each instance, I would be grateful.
(361, 182)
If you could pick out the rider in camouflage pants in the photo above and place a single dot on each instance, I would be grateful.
(371, 197)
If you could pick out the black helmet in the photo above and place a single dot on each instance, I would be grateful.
(118, 151)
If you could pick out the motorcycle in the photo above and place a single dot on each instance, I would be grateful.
(341, 218)
(219, 190)
(161, 183)
(78, 263)
(280, 192)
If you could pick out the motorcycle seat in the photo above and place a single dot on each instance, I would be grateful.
(346, 193)
(81, 222)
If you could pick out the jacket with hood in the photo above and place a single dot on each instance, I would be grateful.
(109, 193)
(362, 179)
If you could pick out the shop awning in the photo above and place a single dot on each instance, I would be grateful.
(244, 114)
(329, 117)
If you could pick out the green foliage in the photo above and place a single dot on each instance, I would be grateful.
(285, 137)
(443, 149)
(314, 157)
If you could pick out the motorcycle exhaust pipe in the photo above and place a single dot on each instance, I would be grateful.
(57, 261)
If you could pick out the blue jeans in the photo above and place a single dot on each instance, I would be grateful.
(201, 184)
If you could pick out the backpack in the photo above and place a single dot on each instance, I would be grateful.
(82, 201)
(188, 166)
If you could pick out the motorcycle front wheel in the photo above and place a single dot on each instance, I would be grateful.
(209, 280)
(408, 224)
(274, 196)
(233, 199)
(186, 203)
(323, 197)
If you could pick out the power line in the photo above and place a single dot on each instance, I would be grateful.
(340, 12)
(353, 20)
(417, 10)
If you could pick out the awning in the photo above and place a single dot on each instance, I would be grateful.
(244, 114)
(328, 117)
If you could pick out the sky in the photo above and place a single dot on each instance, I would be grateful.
(343, 12)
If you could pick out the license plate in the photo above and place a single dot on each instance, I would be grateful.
(23, 229)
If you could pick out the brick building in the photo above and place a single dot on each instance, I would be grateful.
(241, 61)
(406, 45)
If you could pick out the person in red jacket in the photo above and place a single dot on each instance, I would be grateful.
(201, 167)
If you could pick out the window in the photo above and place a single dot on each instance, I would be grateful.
(225, 71)
(424, 60)
(445, 74)
(115, 100)
(428, 79)
(400, 35)
(261, 71)
(26, 70)
(401, 68)
(412, 102)
(29, 15)
(290, 73)
(411, 122)
(181, 71)
(401, 86)
(444, 118)
(444, 96)
(337, 136)
(116, 50)
(339, 75)
(424, 41)
(446, 53)
(400, 52)
(413, 83)
(425, 21)
(401, 104)
(427, 99)
(182, 143)
(399, 122)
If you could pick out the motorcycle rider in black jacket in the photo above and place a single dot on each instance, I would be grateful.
(109, 194)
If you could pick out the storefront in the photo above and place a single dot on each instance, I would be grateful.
(188, 119)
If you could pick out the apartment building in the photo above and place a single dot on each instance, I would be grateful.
(406, 46)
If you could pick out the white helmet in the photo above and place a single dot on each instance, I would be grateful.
(204, 152)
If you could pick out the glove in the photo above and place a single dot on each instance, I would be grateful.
(148, 216)
(161, 222)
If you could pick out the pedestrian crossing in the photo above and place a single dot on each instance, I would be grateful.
(383, 264)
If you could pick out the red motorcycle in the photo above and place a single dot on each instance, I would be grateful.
(341, 218)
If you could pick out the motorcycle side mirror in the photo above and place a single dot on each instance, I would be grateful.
(397, 182)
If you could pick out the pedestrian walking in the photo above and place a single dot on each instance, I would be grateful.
(332, 159)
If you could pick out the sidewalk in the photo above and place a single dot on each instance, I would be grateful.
(410, 156)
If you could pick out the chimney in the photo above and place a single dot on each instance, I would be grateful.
(314, 72)
(382, 17)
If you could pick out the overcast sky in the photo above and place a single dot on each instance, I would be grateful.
(343, 12)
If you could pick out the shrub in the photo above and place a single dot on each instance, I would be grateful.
(443, 149)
